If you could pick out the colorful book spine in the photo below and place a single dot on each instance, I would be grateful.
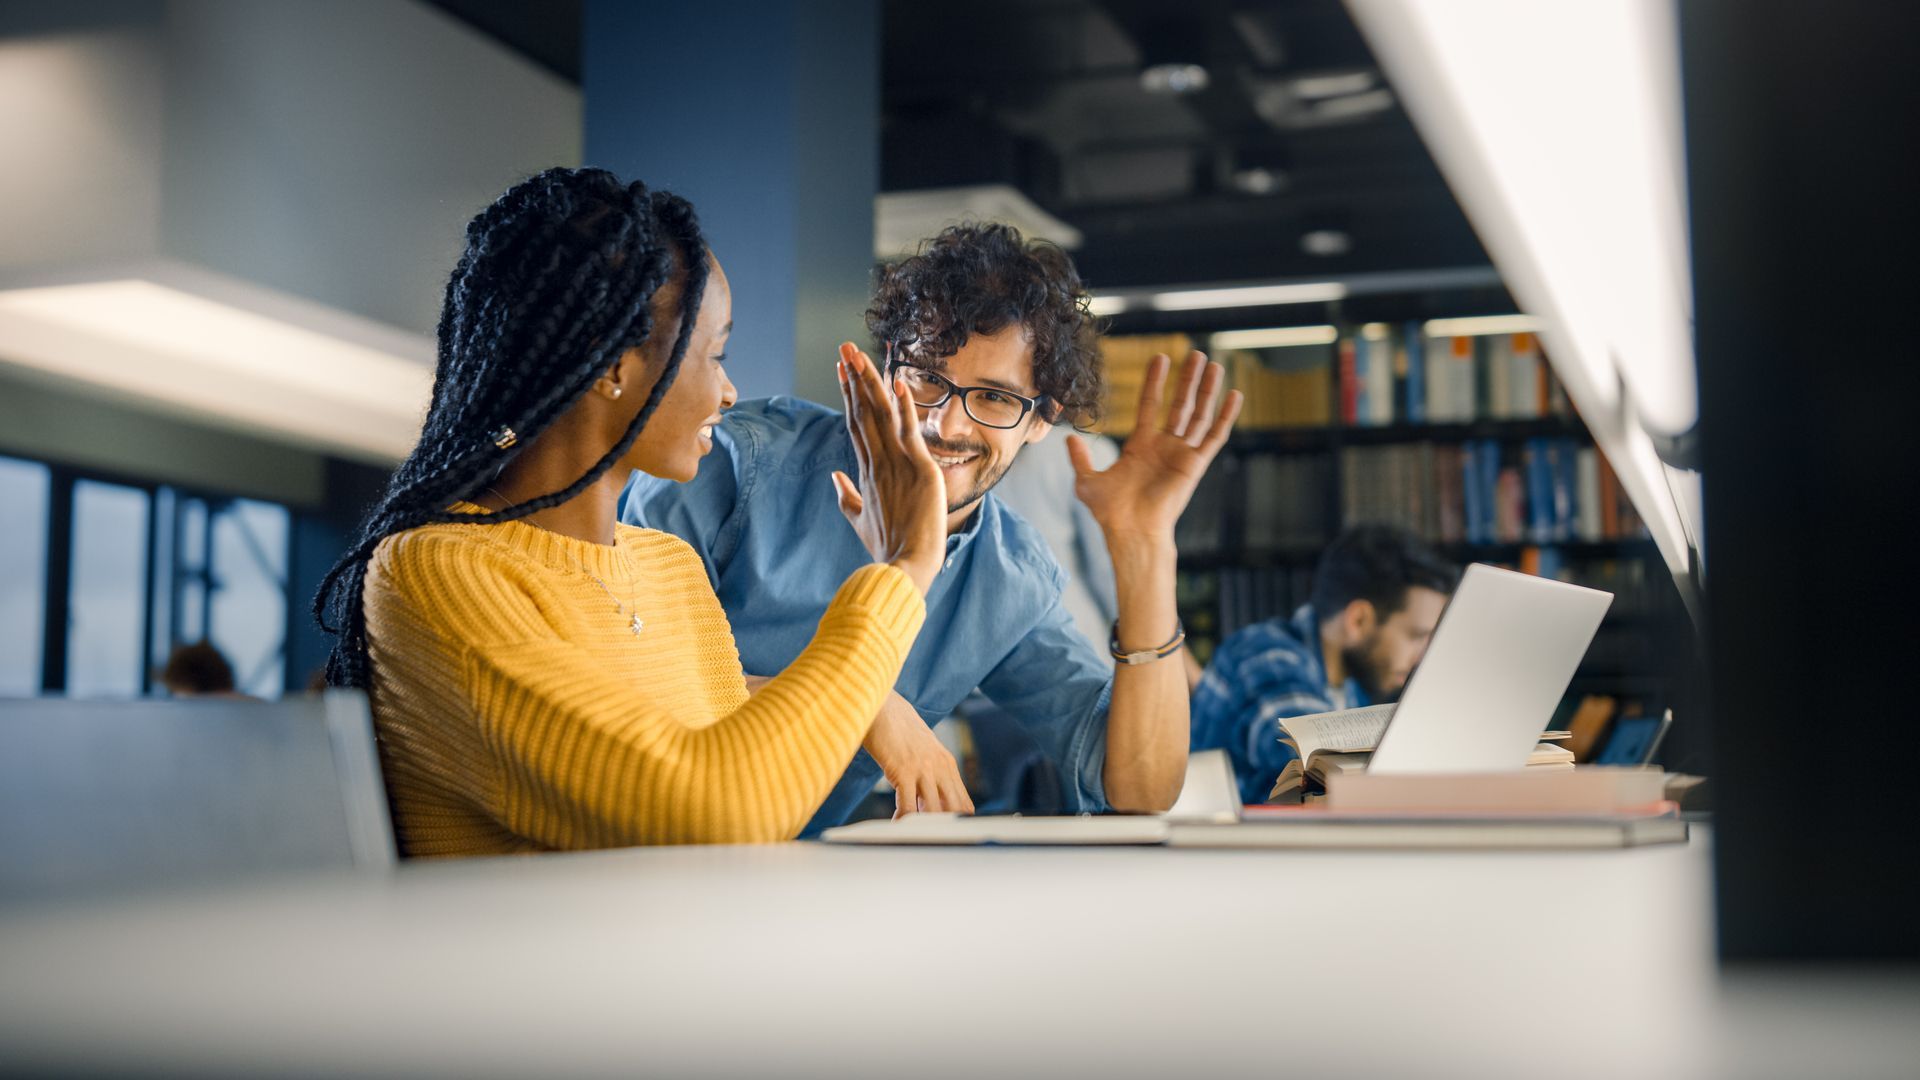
(1349, 382)
(1414, 408)
(1565, 483)
(1363, 372)
(1489, 492)
(1529, 377)
(1499, 376)
(1510, 501)
(1587, 495)
(1470, 491)
(1540, 502)
(1379, 380)
(1439, 385)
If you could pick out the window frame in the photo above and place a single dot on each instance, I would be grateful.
(57, 599)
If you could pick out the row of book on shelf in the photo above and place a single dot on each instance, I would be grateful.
(1375, 376)
(1483, 491)
(1539, 491)
(1410, 377)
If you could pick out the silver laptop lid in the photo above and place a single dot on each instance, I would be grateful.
(1504, 652)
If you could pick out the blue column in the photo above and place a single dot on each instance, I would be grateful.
(766, 116)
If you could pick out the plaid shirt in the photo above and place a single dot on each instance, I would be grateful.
(1260, 674)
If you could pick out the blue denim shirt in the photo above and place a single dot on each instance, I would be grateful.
(1260, 674)
(764, 516)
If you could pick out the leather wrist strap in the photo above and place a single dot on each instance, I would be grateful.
(1146, 656)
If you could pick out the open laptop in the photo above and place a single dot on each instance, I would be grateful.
(1503, 654)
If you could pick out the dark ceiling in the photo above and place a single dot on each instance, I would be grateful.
(1294, 161)
(1294, 134)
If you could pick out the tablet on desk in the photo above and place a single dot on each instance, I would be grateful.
(1208, 795)
(960, 830)
(1635, 740)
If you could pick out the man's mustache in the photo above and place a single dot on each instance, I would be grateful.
(952, 449)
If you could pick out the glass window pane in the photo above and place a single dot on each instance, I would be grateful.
(106, 605)
(249, 604)
(23, 581)
(190, 620)
(160, 590)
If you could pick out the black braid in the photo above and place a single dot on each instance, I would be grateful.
(557, 281)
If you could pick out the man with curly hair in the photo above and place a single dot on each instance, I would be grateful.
(992, 337)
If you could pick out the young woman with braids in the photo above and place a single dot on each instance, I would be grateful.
(543, 677)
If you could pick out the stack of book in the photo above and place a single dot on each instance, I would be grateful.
(1339, 744)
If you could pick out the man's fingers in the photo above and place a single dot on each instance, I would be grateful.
(1156, 381)
(1203, 416)
(1080, 456)
(906, 799)
(1183, 392)
(1222, 424)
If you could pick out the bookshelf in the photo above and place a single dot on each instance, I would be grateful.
(1480, 454)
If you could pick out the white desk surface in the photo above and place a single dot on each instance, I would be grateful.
(808, 959)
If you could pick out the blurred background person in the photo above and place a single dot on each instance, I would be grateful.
(1377, 596)
(198, 670)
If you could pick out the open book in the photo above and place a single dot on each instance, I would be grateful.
(1332, 743)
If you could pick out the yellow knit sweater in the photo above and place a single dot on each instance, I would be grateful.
(518, 711)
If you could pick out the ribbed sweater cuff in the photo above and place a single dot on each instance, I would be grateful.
(887, 595)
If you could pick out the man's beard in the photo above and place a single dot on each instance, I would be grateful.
(1365, 669)
(985, 474)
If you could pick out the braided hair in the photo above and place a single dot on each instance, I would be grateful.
(556, 283)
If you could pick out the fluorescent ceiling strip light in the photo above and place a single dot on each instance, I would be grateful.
(1107, 305)
(1278, 337)
(1483, 326)
(1247, 296)
(148, 341)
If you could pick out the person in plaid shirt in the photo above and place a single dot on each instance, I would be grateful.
(1377, 596)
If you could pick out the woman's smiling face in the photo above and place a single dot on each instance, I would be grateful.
(680, 431)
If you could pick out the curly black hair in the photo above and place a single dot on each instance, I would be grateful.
(558, 279)
(980, 279)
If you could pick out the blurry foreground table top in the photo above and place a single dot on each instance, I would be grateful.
(808, 959)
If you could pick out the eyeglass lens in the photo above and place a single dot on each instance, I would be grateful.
(994, 408)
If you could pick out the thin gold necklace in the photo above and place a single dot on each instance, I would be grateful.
(634, 622)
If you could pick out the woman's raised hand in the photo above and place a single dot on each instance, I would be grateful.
(899, 504)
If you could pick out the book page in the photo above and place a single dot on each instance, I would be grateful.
(1342, 731)
(1333, 763)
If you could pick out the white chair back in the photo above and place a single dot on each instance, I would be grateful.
(100, 795)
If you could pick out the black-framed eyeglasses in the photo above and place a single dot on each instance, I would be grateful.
(988, 405)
